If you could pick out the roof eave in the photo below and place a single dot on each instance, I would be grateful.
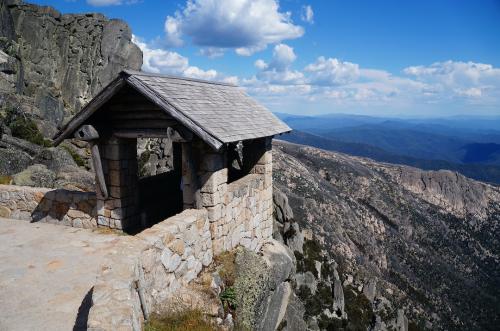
(178, 115)
(102, 97)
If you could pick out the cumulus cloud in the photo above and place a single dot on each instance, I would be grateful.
(247, 26)
(466, 79)
(331, 82)
(346, 84)
(102, 3)
(279, 69)
(307, 14)
(212, 52)
(157, 60)
(332, 71)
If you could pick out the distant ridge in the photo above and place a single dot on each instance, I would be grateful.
(482, 172)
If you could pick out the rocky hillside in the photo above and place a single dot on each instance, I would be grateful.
(50, 66)
(390, 246)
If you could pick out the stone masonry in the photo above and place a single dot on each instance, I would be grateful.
(148, 269)
(119, 162)
(240, 213)
(71, 208)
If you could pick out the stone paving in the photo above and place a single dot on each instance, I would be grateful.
(46, 272)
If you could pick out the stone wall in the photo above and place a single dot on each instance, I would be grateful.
(148, 269)
(119, 163)
(240, 213)
(248, 215)
(71, 208)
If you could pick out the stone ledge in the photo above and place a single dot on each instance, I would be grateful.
(57, 206)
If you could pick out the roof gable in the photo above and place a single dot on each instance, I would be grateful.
(216, 112)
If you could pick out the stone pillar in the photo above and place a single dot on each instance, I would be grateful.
(213, 191)
(189, 180)
(119, 162)
(264, 166)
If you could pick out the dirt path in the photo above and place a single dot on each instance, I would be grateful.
(46, 272)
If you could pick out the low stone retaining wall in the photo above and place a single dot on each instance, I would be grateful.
(56, 206)
(148, 269)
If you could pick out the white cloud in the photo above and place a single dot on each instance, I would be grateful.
(473, 92)
(212, 52)
(278, 70)
(102, 3)
(260, 64)
(247, 26)
(172, 31)
(307, 14)
(157, 60)
(330, 82)
(332, 71)
(458, 79)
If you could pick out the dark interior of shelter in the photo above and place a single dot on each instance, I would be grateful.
(160, 196)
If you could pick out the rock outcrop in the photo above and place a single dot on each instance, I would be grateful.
(53, 64)
(264, 286)
(399, 248)
(50, 66)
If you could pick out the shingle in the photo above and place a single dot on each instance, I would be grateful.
(224, 111)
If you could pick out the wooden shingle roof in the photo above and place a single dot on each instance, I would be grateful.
(218, 113)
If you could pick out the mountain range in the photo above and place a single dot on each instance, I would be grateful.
(423, 242)
(470, 146)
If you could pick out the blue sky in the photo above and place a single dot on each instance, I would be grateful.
(399, 58)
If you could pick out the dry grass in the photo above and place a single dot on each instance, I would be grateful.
(109, 231)
(5, 180)
(186, 320)
(227, 267)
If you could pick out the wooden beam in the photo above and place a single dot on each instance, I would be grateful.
(170, 133)
(134, 107)
(99, 174)
(139, 115)
(86, 133)
(140, 133)
(135, 124)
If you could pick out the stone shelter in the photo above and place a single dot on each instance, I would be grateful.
(221, 148)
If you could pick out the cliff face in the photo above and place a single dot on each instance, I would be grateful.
(50, 66)
(53, 64)
(398, 246)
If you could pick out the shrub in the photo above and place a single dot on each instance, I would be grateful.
(307, 261)
(77, 158)
(24, 128)
(186, 320)
(228, 298)
(359, 309)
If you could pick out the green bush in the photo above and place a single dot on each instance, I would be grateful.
(24, 128)
(76, 157)
(307, 261)
(228, 298)
(358, 308)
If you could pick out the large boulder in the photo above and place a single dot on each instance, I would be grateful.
(263, 286)
(64, 59)
(51, 65)
(35, 175)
